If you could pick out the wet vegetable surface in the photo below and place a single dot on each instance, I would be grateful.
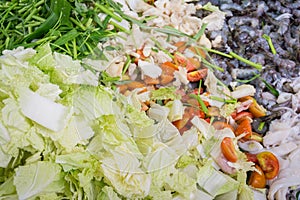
(156, 81)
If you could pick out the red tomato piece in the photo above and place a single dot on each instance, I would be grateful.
(257, 179)
(244, 128)
(195, 76)
(268, 163)
(228, 150)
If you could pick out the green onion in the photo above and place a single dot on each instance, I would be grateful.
(126, 65)
(78, 23)
(271, 88)
(119, 27)
(257, 66)
(248, 80)
(172, 31)
(222, 99)
(200, 32)
(72, 34)
(269, 40)
(199, 99)
(212, 66)
(68, 27)
(218, 52)
(261, 126)
(108, 12)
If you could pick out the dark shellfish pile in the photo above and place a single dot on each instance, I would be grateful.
(245, 24)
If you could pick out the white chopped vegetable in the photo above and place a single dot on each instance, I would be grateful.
(43, 111)
(242, 91)
(4, 135)
(149, 69)
(205, 128)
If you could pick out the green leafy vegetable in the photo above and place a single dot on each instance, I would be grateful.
(269, 40)
(31, 180)
(271, 88)
(255, 65)
(70, 27)
(164, 93)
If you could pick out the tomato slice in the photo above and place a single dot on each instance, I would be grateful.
(251, 157)
(257, 179)
(228, 150)
(195, 76)
(268, 163)
(256, 109)
(244, 127)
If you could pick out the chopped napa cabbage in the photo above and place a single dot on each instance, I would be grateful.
(50, 91)
(43, 111)
(215, 182)
(158, 112)
(122, 171)
(161, 157)
(108, 193)
(176, 110)
(92, 102)
(38, 178)
(182, 184)
(164, 93)
(170, 179)
(12, 116)
(75, 160)
(232, 195)
(4, 135)
(112, 133)
(141, 126)
(199, 194)
(205, 128)
(4, 158)
(7, 188)
(43, 59)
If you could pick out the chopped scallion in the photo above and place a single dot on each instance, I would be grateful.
(261, 126)
(248, 62)
(269, 40)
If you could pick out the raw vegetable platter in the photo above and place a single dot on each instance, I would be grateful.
(121, 100)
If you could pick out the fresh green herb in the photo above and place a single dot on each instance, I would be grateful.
(172, 31)
(200, 32)
(261, 126)
(211, 66)
(248, 80)
(255, 65)
(269, 40)
(223, 100)
(271, 88)
(108, 12)
(218, 52)
(199, 99)
(30, 23)
(126, 65)
(108, 80)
